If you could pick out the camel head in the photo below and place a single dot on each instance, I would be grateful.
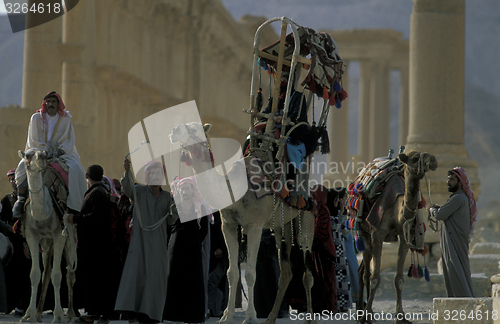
(35, 160)
(418, 163)
(189, 134)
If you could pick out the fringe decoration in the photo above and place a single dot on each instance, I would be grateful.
(324, 145)
(420, 271)
(414, 272)
(427, 275)
(342, 95)
(338, 104)
(336, 86)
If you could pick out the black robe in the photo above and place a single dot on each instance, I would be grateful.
(185, 283)
(98, 270)
(17, 271)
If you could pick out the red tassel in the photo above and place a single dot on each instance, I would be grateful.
(342, 95)
(414, 272)
(331, 101)
(325, 93)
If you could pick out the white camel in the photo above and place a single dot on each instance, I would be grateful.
(42, 228)
(253, 215)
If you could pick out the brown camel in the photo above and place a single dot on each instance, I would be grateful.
(253, 215)
(405, 207)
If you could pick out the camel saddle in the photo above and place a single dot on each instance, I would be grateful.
(262, 179)
(58, 187)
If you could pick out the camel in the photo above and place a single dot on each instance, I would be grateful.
(42, 228)
(253, 215)
(415, 166)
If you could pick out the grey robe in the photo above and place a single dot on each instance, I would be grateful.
(455, 234)
(143, 286)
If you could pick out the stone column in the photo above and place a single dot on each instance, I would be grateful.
(379, 111)
(437, 89)
(404, 105)
(42, 65)
(77, 53)
(337, 129)
(365, 74)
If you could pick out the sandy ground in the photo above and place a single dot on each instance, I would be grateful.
(419, 310)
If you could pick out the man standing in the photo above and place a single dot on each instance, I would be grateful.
(185, 279)
(98, 259)
(18, 270)
(143, 286)
(9, 199)
(51, 129)
(457, 217)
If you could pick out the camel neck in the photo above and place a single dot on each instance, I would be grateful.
(39, 206)
(412, 186)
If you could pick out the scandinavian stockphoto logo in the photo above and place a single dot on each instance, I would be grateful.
(175, 137)
(25, 14)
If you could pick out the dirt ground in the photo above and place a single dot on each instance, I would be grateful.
(419, 311)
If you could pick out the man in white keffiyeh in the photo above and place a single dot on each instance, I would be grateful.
(51, 129)
(457, 217)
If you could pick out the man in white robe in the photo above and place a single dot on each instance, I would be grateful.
(143, 285)
(457, 218)
(51, 129)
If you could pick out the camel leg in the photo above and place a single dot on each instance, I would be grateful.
(376, 252)
(70, 279)
(364, 273)
(233, 274)
(56, 275)
(361, 289)
(399, 280)
(254, 233)
(32, 241)
(306, 242)
(365, 281)
(47, 268)
(285, 249)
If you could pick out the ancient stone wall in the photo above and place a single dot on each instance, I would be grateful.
(116, 62)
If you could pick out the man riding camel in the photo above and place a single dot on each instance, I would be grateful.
(51, 129)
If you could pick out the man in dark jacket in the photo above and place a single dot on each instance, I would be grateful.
(97, 258)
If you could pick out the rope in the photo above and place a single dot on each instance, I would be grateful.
(282, 223)
(274, 209)
(314, 118)
(307, 241)
(300, 229)
(146, 227)
(291, 223)
(324, 114)
(433, 223)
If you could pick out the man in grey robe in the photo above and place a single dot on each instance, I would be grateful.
(456, 226)
(143, 286)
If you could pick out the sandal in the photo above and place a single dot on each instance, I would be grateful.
(83, 319)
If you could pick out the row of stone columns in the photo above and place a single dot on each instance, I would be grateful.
(431, 110)
(373, 116)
